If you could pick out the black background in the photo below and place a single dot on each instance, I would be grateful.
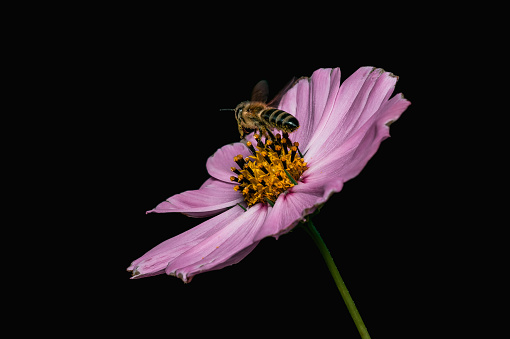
(163, 85)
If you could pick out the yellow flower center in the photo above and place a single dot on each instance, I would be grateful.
(271, 170)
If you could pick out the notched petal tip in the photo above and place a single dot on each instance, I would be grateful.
(390, 74)
(184, 278)
(382, 71)
(406, 103)
(302, 78)
(375, 69)
(394, 76)
(134, 271)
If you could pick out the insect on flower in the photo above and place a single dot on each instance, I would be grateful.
(257, 115)
(268, 184)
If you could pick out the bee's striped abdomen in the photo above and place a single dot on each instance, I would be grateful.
(280, 119)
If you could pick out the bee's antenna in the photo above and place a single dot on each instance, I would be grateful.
(227, 109)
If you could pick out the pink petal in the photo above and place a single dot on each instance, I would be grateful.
(225, 247)
(349, 158)
(359, 97)
(218, 165)
(352, 124)
(296, 102)
(309, 99)
(157, 259)
(292, 207)
(213, 197)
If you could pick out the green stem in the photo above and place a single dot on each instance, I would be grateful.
(312, 231)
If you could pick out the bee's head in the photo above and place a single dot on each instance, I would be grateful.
(238, 111)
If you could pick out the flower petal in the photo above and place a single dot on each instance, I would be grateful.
(348, 159)
(218, 165)
(308, 99)
(213, 197)
(360, 113)
(225, 247)
(157, 259)
(300, 201)
(296, 102)
(359, 97)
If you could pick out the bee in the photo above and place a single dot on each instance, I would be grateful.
(257, 115)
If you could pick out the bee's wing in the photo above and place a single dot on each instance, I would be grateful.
(260, 91)
(276, 100)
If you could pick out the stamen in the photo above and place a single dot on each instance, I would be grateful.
(246, 167)
(293, 154)
(297, 145)
(278, 138)
(270, 143)
(261, 176)
(250, 147)
(278, 149)
(289, 143)
(284, 162)
(264, 154)
(239, 160)
(259, 141)
(284, 144)
(262, 168)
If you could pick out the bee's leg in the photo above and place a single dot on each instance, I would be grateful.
(264, 131)
(244, 132)
(271, 135)
(241, 130)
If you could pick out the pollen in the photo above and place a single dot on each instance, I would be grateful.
(273, 168)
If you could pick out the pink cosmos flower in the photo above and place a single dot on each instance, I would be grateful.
(341, 127)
